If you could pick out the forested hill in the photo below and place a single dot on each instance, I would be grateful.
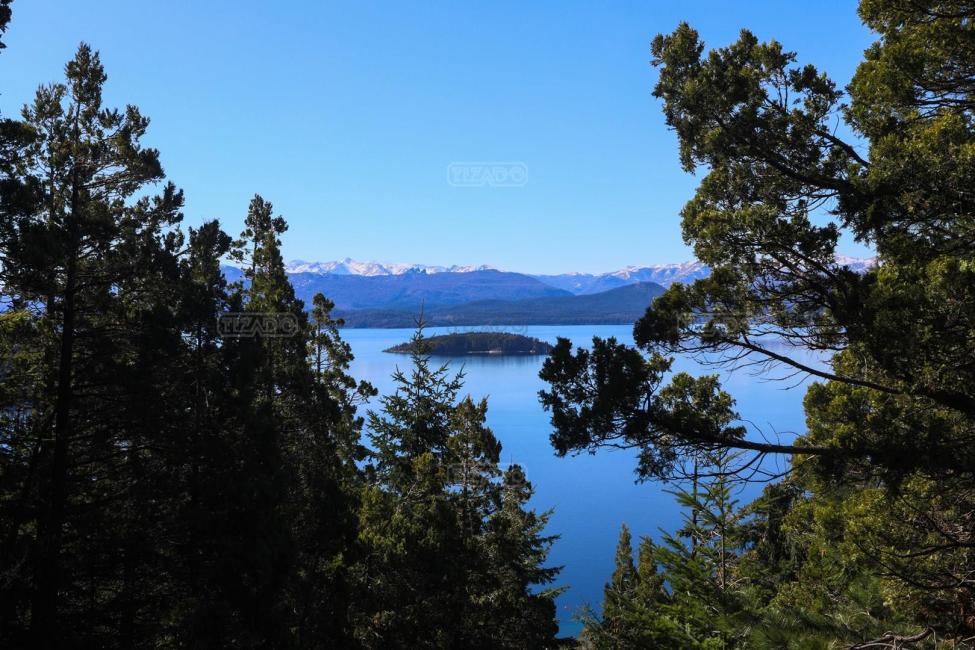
(617, 306)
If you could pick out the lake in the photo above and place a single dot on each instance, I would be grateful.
(591, 495)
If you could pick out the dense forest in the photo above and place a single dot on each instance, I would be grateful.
(186, 462)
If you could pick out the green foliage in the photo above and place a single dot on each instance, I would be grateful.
(330, 358)
(465, 343)
(871, 537)
(5, 14)
(624, 579)
(454, 552)
(168, 481)
(611, 395)
(687, 592)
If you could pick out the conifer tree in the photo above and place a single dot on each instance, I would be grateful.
(411, 531)
(686, 593)
(415, 419)
(649, 582)
(472, 457)
(330, 358)
(82, 264)
(893, 412)
(168, 479)
(619, 591)
(452, 552)
(521, 612)
(5, 13)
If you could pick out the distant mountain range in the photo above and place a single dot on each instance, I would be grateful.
(374, 294)
(411, 290)
(623, 305)
(349, 266)
(858, 264)
(576, 283)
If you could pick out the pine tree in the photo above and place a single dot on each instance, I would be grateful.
(415, 419)
(700, 559)
(300, 466)
(411, 532)
(619, 591)
(634, 607)
(505, 548)
(205, 480)
(519, 614)
(649, 590)
(686, 593)
(82, 264)
(168, 479)
(452, 552)
(328, 481)
(330, 358)
(160, 479)
(472, 457)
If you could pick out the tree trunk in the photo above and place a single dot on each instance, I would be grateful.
(48, 577)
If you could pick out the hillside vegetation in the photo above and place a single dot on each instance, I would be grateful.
(464, 343)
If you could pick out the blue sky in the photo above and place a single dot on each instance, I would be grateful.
(347, 115)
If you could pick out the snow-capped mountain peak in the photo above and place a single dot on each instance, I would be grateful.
(859, 264)
(661, 273)
(575, 282)
(349, 266)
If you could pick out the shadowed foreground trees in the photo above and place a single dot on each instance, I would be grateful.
(880, 515)
(181, 459)
(168, 479)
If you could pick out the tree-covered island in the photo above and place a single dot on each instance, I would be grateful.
(464, 343)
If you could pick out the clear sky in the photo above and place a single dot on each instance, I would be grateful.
(347, 115)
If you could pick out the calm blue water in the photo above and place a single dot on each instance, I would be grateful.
(591, 495)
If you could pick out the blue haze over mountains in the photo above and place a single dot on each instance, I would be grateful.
(372, 294)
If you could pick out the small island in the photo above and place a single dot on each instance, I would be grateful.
(492, 343)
